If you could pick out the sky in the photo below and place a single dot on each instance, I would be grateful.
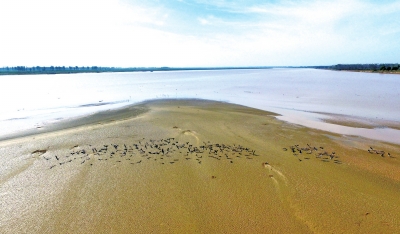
(198, 33)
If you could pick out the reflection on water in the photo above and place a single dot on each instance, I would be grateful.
(34, 101)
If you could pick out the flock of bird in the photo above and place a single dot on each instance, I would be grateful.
(379, 152)
(324, 156)
(308, 150)
(171, 151)
(163, 151)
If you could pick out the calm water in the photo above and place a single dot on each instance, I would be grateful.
(29, 102)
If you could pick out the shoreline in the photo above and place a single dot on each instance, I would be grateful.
(386, 131)
(95, 118)
(99, 117)
(198, 166)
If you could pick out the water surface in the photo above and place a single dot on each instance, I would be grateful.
(35, 101)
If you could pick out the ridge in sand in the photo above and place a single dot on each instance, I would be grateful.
(195, 166)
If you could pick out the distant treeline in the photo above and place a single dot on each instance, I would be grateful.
(367, 67)
(21, 70)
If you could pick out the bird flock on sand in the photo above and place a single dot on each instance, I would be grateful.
(380, 152)
(163, 151)
(170, 151)
(305, 152)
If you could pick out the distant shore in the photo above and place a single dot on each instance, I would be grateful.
(21, 70)
(373, 71)
(382, 68)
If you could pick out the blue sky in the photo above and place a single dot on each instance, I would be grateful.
(183, 33)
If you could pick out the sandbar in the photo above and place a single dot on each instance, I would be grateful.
(197, 166)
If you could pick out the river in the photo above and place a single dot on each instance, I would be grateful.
(308, 97)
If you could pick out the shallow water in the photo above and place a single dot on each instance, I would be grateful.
(34, 101)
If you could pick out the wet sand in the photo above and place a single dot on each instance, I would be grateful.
(192, 166)
(358, 122)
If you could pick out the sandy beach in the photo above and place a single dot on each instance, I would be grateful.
(196, 166)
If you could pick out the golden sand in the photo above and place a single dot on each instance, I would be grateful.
(191, 166)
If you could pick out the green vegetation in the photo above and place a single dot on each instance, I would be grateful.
(390, 68)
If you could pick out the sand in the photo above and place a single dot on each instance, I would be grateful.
(195, 166)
